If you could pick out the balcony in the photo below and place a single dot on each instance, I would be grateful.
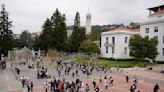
(109, 44)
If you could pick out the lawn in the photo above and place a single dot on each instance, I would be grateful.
(108, 63)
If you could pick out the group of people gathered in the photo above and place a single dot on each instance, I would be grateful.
(57, 85)
(26, 82)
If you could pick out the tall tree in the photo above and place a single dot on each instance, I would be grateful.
(6, 38)
(78, 35)
(25, 40)
(54, 33)
(142, 48)
(59, 31)
(44, 40)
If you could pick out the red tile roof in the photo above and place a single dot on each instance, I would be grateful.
(124, 29)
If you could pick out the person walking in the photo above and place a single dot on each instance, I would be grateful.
(73, 74)
(156, 87)
(31, 86)
(28, 86)
(131, 89)
(127, 78)
(97, 89)
(46, 86)
(87, 89)
(100, 80)
(77, 73)
(94, 83)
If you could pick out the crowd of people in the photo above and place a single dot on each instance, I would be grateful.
(57, 85)
(26, 82)
(72, 69)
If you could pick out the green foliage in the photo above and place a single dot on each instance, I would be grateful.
(54, 33)
(78, 35)
(89, 47)
(109, 63)
(142, 48)
(133, 25)
(6, 38)
(25, 40)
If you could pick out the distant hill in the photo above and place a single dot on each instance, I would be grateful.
(97, 29)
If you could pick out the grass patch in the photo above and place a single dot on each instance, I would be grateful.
(109, 63)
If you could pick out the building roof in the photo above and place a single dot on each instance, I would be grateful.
(156, 8)
(123, 29)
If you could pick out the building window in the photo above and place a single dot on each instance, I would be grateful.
(156, 37)
(106, 40)
(126, 39)
(112, 49)
(163, 51)
(106, 49)
(113, 40)
(155, 29)
(147, 30)
(125, 50)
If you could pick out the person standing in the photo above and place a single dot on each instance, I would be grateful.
(100, 80)
(77, 73)
(31, 85)
(97, 89)
(127, 78)
(131, 89)
(28, 86)
(94, 83)
(156, 87)
(73, 74)
(46, 86)
(87, 89)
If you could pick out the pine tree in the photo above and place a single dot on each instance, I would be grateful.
(59, 31)
(43, 41)
(78, 35)
(6, 38)
(54, 33)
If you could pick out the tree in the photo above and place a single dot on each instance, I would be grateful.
(25, 40)
(133, 25)
(44, 40)
(152, 48)
(6, 38)
(89, 47)
(141, 48)
(54, 33)
(78, 35)
(59, 31)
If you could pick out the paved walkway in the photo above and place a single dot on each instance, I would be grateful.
(120, 85)
(145, 83)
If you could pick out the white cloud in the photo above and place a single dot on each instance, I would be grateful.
(30, 14)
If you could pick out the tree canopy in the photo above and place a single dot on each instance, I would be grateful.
(78, 35)
(88, 46)
(54, 33)
(25, 40)
(6, 38)
(143, 47)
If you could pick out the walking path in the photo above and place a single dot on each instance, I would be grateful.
(146, 80)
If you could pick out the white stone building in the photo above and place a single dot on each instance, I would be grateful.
(154, 27)
(115, 43)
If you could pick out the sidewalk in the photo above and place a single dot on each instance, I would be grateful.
(119, 85)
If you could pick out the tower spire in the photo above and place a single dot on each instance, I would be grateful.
(88, 22)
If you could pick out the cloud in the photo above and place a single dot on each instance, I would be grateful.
(31, 14)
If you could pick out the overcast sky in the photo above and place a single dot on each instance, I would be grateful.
(31, 14)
